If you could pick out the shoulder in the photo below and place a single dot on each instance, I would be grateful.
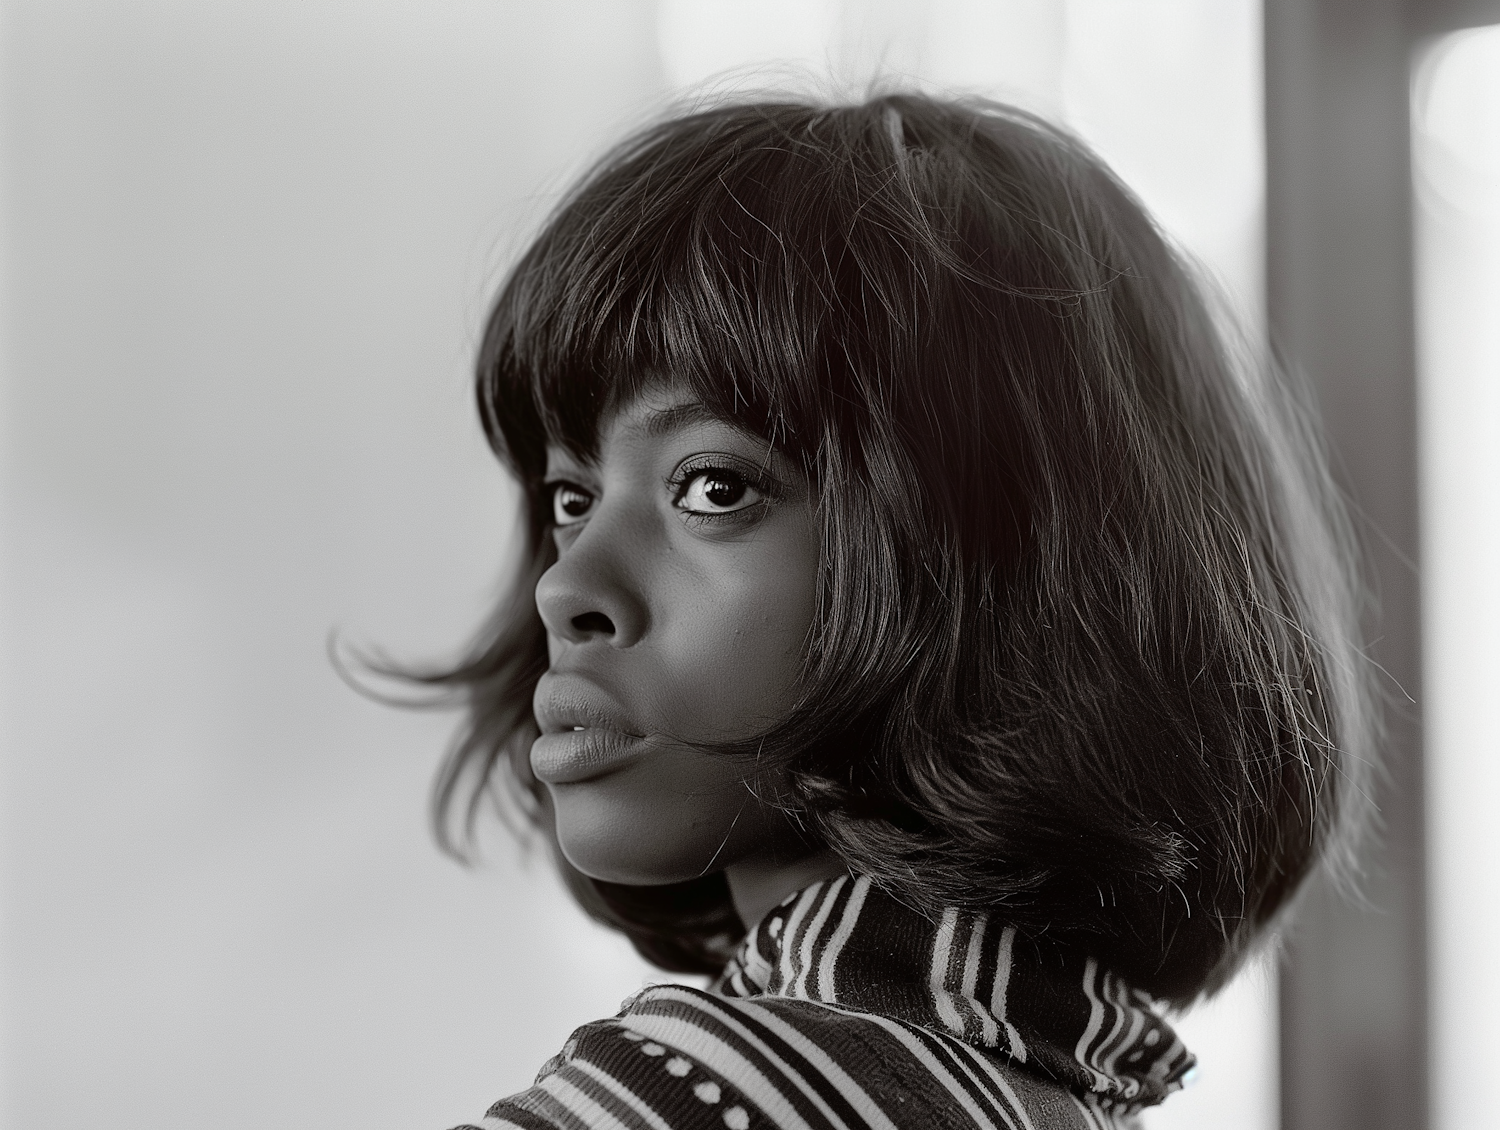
(679, 1058)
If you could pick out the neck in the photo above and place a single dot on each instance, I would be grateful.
(756, 886)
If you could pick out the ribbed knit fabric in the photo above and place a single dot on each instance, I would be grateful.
(845, 1010)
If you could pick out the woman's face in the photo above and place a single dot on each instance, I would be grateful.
(676, 613)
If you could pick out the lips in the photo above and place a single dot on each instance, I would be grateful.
(584, 734)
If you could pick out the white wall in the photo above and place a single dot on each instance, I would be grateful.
(248, 250)
(250, 247)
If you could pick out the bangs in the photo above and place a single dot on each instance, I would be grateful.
(677, 262)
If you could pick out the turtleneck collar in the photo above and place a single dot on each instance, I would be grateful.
(844, 942)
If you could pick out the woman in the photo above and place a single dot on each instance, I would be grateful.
(929, 627)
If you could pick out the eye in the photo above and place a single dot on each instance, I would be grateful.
(717, 490)
(570, 503)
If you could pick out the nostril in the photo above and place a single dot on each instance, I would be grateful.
(594, 622)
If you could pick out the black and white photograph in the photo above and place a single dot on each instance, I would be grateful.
(749, 564)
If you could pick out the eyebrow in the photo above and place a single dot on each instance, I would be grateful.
(667, 420)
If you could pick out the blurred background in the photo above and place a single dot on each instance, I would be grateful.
(247, 251)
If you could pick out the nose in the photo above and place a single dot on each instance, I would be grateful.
(589, 593)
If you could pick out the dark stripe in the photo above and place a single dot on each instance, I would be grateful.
(998, 1098)
(987, 1101)
(549, 1109)
(604, 1096)
(989, 970)
(848, 975)
(815, 1077)
(791, 940)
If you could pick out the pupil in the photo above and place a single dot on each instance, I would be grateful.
(723, 492)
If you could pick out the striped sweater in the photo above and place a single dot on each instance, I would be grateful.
(845, 1010)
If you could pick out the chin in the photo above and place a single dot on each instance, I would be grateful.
(629, 864)
(616, 847)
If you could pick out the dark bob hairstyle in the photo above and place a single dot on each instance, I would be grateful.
(1084, 653)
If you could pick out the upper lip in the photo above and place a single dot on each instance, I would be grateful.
(569, 702)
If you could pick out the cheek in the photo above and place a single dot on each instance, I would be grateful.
(735, 648)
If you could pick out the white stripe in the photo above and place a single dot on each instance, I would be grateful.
(579, 1105)
(1002, 1084)
(1002, 989)
(757, 968)
(811, 937)
(490, 1122)
(1137, 1019)
(621, 1092)
(698, 1042)
(928, 1060)
(1097, 1056)
(987, 1030)
(858, 1097)
(1114, 994)
(942, 947)
(827, 967)
(737, 983)
(788, 937)
(1096, 1021)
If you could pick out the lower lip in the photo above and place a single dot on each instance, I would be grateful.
(571, 756)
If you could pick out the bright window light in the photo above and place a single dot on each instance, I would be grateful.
(1456, 159)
